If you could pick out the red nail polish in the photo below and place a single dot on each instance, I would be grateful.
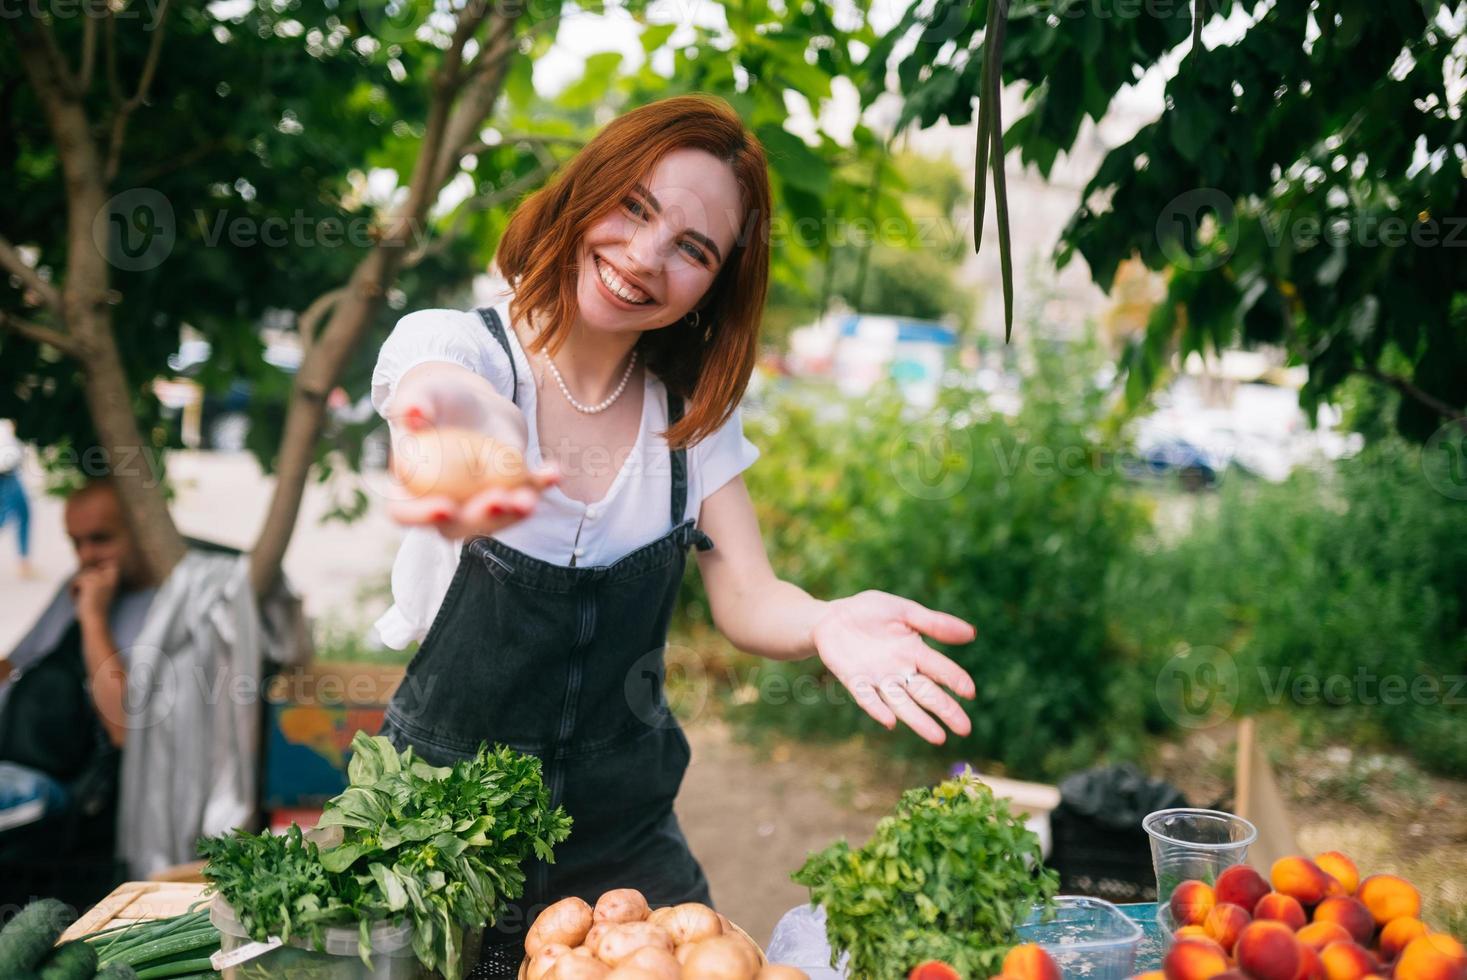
(494, 510)
(439, 516)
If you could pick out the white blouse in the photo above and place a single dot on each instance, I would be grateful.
(634, 511)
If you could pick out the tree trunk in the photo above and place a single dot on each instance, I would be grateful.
(450, 125)
(84, 313)
(307, 411)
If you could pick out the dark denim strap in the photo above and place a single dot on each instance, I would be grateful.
(490, 316)
(679, 459)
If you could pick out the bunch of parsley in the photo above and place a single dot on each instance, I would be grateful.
(948, 876)
(441, 846)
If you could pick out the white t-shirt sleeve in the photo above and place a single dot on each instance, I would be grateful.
(721, 456)
(456, 336)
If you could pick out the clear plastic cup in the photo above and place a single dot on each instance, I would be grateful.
(1188, 843)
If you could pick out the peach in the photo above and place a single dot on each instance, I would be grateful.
(1192, 932)
(1434, 956)
(1347, 961)
(1279, 907)
(1029, 961)
(1397, 933)
(1191, 901)
(1150, 975)
(1224, 922)
(1318, 935)
(1389, 897)
(1350, 913)
(1310, 967)
(1340, 868)
(1300, 878)
(1240, 885)
(1267, 950)
(1194, 959)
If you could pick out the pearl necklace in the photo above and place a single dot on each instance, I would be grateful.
(605, 403)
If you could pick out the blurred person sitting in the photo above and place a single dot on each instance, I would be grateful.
(63, 691)
(13, 504)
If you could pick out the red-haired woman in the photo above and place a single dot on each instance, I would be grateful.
(615, 361)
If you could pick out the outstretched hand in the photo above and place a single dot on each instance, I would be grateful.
(445, 396)
(872, 642)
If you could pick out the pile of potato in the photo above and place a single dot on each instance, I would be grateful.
(622, 939)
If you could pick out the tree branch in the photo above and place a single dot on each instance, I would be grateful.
(479, 146)
(1409, 388)
(38, 333)
(480, 89)
(10, 259)
(89, 46)
(305, 324)
(126, 109)
(480, 202)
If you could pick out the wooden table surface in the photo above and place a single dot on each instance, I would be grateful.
(137, 901)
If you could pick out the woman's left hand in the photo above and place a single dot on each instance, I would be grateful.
(872, 642)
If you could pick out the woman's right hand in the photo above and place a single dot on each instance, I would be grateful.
(442, 395)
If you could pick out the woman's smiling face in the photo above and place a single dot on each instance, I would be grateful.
(651, 260)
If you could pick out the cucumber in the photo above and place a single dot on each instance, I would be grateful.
(74, 961)
(28, 939)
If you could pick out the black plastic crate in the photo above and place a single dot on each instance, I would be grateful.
(1100, 861)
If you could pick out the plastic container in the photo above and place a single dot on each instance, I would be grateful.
(1189, 843)
(1087, 937)
(392, 953)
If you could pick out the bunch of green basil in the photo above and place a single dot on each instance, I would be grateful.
(441, 846)
(948, 876)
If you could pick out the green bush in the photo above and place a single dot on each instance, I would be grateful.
(1319, 589)
(1011, 524)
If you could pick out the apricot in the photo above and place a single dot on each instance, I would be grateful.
(1318, 935)
(1191, 901)
(1347, 961)
(1029, 961)
(1300, 878)
(1350, 913)
(1240, 885)
(1267, 950)
(1340, 868)
(1278, 907)
(1389, 897)
(1397, 933)
(1195, 959)
(1434, 956)
(1224, 922)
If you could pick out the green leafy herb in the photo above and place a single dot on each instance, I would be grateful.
(948, 876)
(442, 847)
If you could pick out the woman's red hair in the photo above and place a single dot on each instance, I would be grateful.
(538, 253)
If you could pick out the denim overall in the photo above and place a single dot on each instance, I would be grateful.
(566, 663)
